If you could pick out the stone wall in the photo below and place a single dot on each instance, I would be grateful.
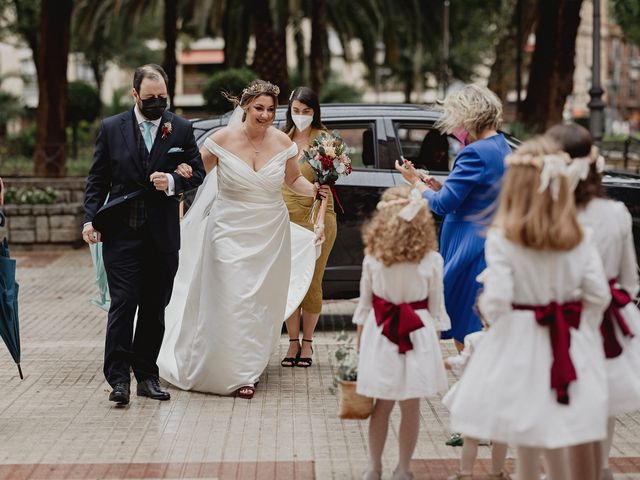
(58, 223)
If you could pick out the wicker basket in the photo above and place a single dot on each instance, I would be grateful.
(353, 406)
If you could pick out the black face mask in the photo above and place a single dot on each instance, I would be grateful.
(152, 108)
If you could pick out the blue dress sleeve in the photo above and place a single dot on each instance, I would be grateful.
(466, 174)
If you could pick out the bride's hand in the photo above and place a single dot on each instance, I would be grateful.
(320, 237)
(184, 170)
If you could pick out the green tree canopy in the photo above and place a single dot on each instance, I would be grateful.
(11, 107)
(627, 14)
(83, 104)
(230, 81)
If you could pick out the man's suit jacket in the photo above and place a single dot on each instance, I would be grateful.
(117, 171)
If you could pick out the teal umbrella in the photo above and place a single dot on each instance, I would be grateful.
(101, 277)
(9, 325)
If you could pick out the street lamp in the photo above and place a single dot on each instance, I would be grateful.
(596, 105)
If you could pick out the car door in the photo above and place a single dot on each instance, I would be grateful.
(358, 193)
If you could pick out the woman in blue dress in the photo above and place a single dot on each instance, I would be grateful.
(472, 115)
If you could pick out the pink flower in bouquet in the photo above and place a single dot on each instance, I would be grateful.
(328, 158)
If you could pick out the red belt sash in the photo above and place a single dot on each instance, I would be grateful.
(559, 318)
(398, 321)
(612, 316)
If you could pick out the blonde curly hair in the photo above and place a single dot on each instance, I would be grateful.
(474, 107)
(391, 239)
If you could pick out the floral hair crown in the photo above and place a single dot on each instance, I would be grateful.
(552, 167)
(413, 204)
(260, 88)
(580, 166)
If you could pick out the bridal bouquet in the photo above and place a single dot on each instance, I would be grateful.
(328, 158)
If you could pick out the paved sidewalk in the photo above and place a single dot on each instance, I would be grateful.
(58, 423)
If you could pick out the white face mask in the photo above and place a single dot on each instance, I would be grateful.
(302, 121)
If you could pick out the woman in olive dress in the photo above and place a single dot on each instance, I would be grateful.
(303, 125)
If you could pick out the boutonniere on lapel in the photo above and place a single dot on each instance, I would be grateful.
(166, 130)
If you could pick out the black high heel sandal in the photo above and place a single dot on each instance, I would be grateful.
(291, 361)
(305, 362)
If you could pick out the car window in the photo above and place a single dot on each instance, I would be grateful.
(426, 147)
(361, 141)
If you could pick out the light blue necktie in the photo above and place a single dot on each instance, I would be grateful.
(148, 141)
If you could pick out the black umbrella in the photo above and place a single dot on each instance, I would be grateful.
(9, 325)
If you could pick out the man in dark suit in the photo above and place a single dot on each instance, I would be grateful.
(134, 165)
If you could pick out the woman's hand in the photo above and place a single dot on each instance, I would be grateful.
(318, 229)
(184, 170)
(411, 175)
(433, 184)
(408, 171)
(322, 191)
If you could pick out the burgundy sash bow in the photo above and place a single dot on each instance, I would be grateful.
(398, 320)
(619, 298)
(560, 319)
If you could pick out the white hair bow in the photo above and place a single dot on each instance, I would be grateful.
(416, 202)
(579, 168)
(554, 166)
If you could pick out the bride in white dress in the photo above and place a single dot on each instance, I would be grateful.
(232, 289)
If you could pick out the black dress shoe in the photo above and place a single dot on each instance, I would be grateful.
(151, 388)
(120, 394)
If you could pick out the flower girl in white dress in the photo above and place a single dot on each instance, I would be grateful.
(470, 447)
(534, 380)
(399, 318)
(611, 224)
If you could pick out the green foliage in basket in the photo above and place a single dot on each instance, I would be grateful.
(346, 360)
(30, 196)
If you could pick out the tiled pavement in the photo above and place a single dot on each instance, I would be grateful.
(57, 422)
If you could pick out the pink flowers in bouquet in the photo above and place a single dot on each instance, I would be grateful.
(328, 157)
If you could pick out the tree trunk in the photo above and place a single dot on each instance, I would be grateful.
(270, 58)
(74, 141)
(508, 50)
(301, 57)
(170, 37)
(53, 52)
(552, 65)
(236, 27)
(98, 68)
(407, 86)
(317, 69)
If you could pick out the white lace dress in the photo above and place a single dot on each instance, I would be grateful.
(505, 391)
(236, 277)
(613, 236)
(382, 371)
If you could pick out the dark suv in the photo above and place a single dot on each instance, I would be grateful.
(377, 136)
